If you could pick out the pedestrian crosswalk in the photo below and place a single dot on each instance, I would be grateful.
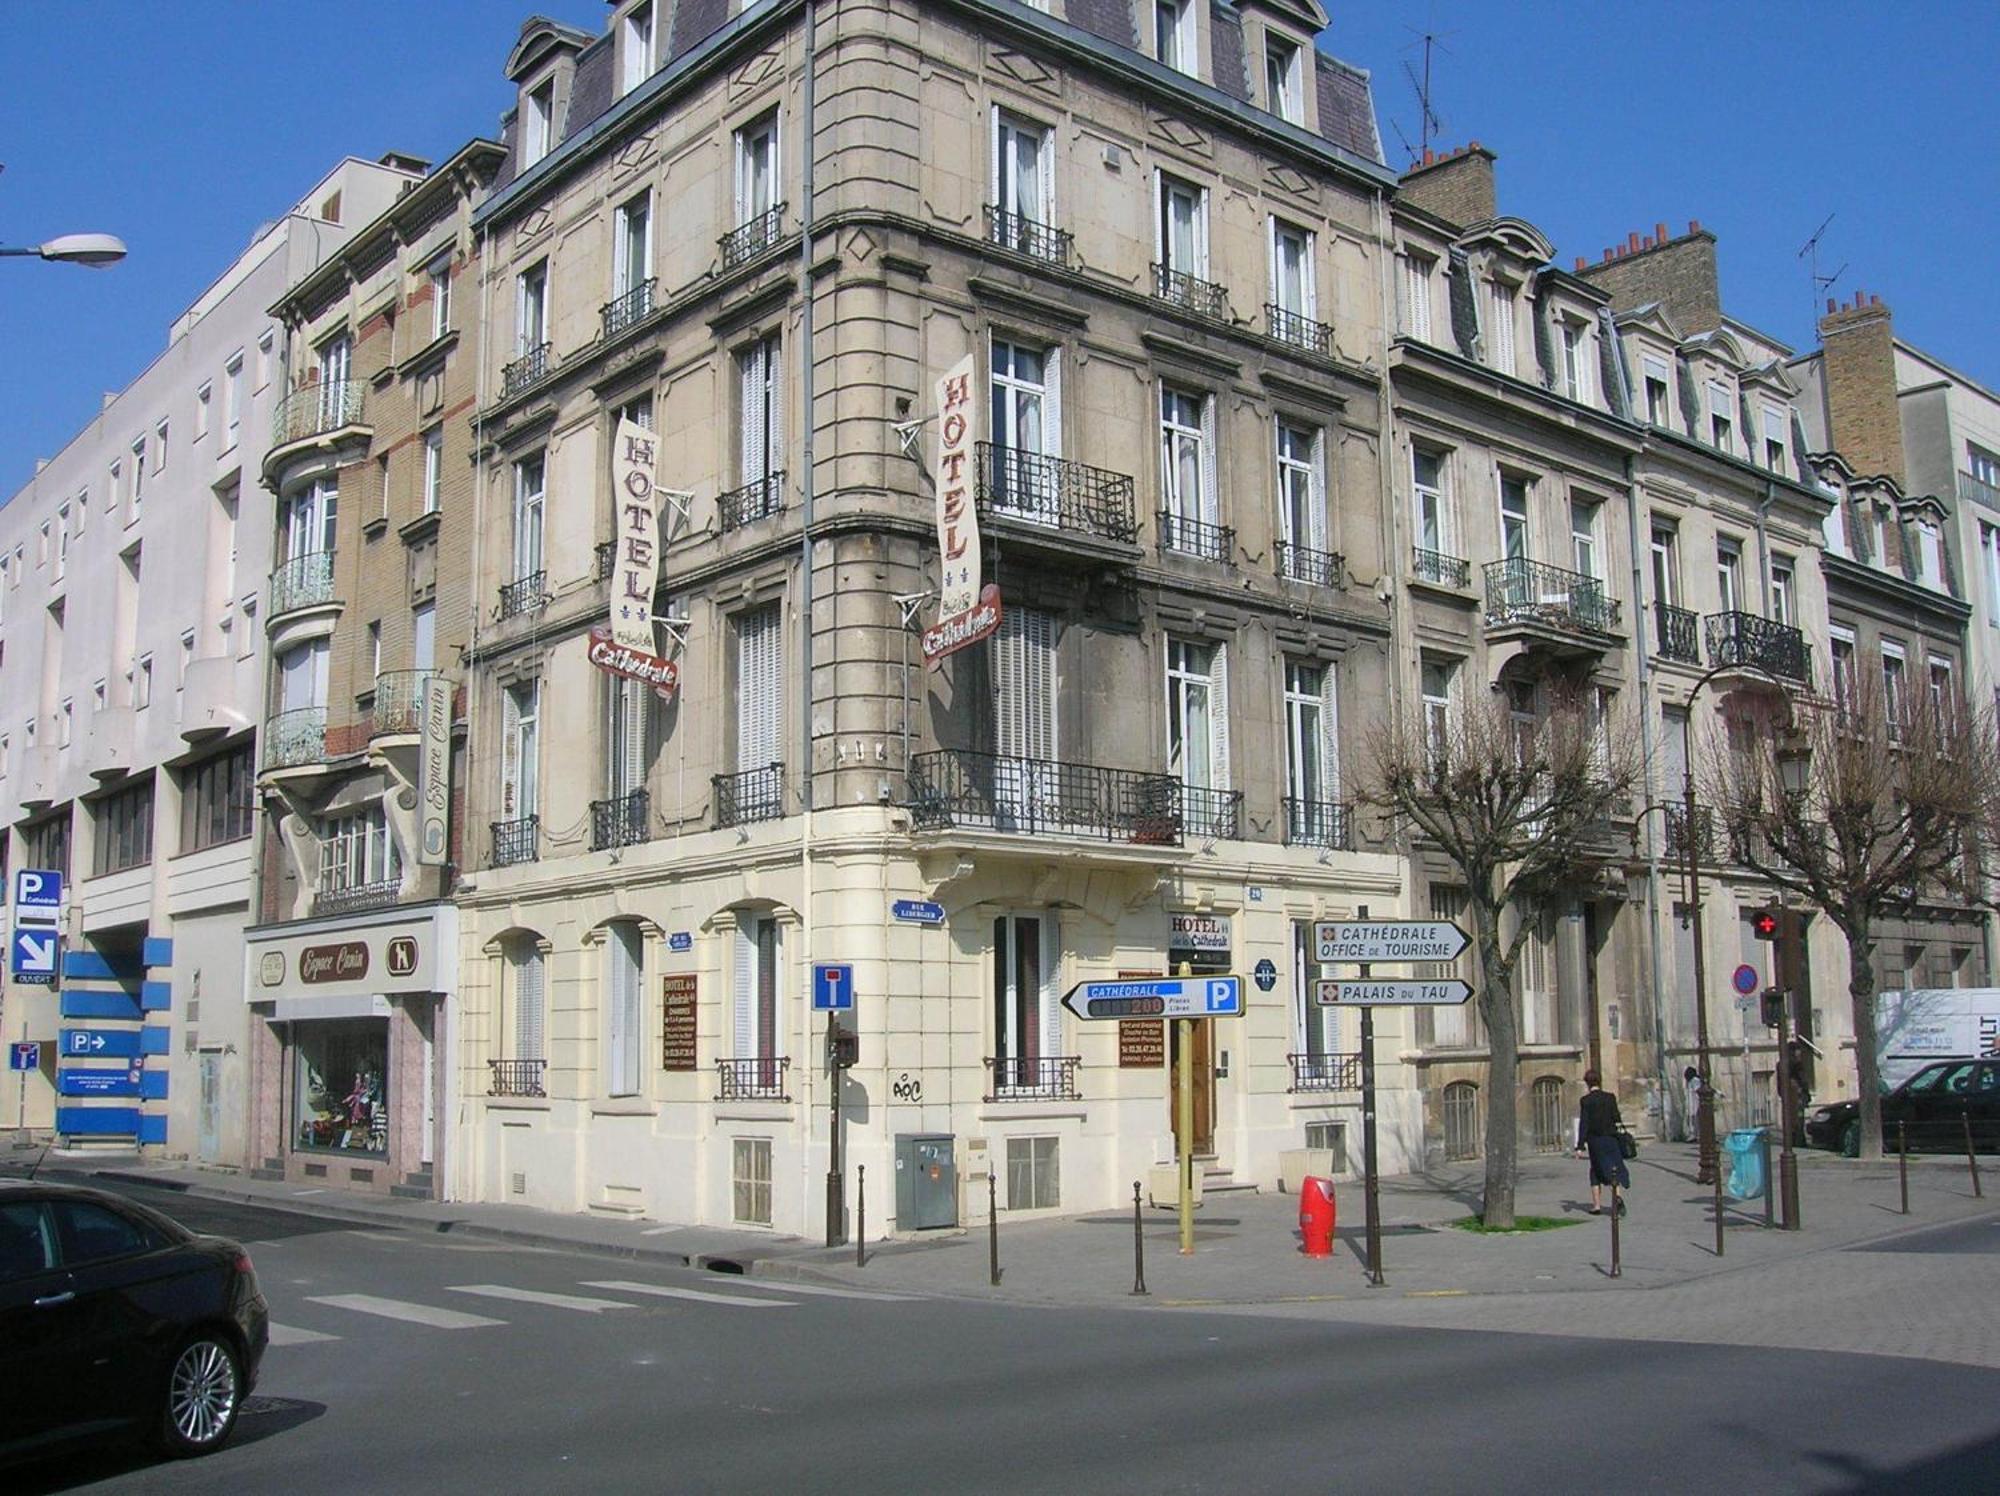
(744, 1294)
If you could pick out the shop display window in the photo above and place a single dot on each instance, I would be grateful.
(343, 1086)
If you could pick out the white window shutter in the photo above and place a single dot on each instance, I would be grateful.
(757, 689)
(1218, 717)
(1048, 998)
(993, 166)
(1317, 540)
(1052, 419)
(1210, 500)
(510, 755)
(528, 1004)
(750, 370)
(774, 437)
(1329, 726)
(1271, 255)
(1309, 276)
(743, 993)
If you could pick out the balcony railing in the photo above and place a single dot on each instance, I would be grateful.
(752, 795)
(1200, 297)
(399, 701)
(523, 594)
(1055, 492)
(1042, 1077)
(1325, 1072)
(628, 310)
(1676, 818)
(516, 1077)
(296, 737)
(1747, 641)
(1972, 490)
(622, 821)
(517, 841)
(607, 558)
(1211, 814)
(1319, 823)
(753, 237)
(1299, 331)
(1442, 570)
(357, 896)
(1036, 797)
(531, 368)
(1196, 537)
(316, 408)
(1677, 631)
(758, 499)
(1025, 236)
(759, 1078)
(1298, 563)
(1522, 591)
(303, 582)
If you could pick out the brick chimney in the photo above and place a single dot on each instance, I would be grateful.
(1864, 422)
(1678, 273)
(1456, 186)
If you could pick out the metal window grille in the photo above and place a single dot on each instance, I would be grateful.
(1201, 298)
(750, 1180)
(515, 1077)
(622, 312)
(516, 841)
(752, 795)
(1438, 568)
(531, 368)
(755, 237)
(1032, 796)
(622, 821)
(1299, 332)
(1461, 1120)
(1325, 1072)
(1196, 537)
(1056, 492)
(1546, 1115)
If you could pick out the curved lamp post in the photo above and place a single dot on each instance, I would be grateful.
(93, 250)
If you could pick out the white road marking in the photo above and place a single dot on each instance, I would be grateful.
(827, 1291)
(416, 1314)
(293, 1335)
(699, 1296)
(553, 1300)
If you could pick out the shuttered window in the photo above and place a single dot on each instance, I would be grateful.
(627, 735)
(757, 666)
(529, 1000)
(1415, 282)
(760, 408)
(756, 1029)
(1025, 714)
(625, 972)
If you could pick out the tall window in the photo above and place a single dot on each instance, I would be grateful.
(1197, 714)
(302, 676)
(438, 276)
(531, 308)
(62, 542)
(1440, 683)
(357, 851)
(757, 168)
(1783, 604)
(1284, 89)
(311, 519)
(1027, 1024)
(1183, 227)
(124, 830)
(1721, 426)
(757, 687)
(1583, 534)
(530, 505)
(1023, 414)
(756, 1019)
(1940, 684)
(1729, 574)
(1840, 645)
(1989, 569)
(1666, 564)
(1174, 34)
(1187, 456)
(1023, 181)
(520, 751)
(138, 494)
(202, 400)
(1416, 295)
(538, 122)
(218, 799)
(1316, 1029)
(632, 250)
(1292, 288)
(1775, 452)
(1659, 399)
(636, 54)
(160, 445)
(1025, 685)
(1312, 747)
(1513, 516)
(1301, 499)
(627, 736)
(1427, 480)
(232, 400)
(530, 997)
(625, 973)
(1500, 336)
(1895, 694)
(760, 404)
(433, 469)
(1576, 361)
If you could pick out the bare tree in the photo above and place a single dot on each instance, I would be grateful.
(1521, 804)
(1864, 808)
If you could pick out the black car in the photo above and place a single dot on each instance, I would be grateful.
(1932, 1109)
(114, 1318)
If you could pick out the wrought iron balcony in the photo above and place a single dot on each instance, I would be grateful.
(1746, 641)
(607, 556)
(315, 409)
(1442, 570)
(303, 582)
(356, 896)
(1973, 490)
(1199, 297)
(1325, 1072)
(759, 1078)
(758, 499)
(1052, 491)
(524, 594)
(1676, 840)
(1038, 797)
(516, 1077)
(1025, 236)
(622, 821)
(1196, 537)
(1298, 563)
(517, 841)
(1677, 632)
(1211, 814)
(1041, 1077)
(1319, 823)
(531, 368)
(628, 310)
(751, 795)
(399, 701)
(1299, 331)
(753, 237)
(295, 738)
(1522, 591)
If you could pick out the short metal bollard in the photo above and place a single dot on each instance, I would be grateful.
(1972, 1158)
(1617, 1210)
(1903, 1161)
(1138, 1245)
(861, 1215)
(993, 1228)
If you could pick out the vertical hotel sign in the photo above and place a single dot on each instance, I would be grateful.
(434, 772)
(635, 567)
(967, 612)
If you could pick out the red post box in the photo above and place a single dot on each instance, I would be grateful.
(1316, 1216)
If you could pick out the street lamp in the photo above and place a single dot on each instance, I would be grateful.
(95, 251)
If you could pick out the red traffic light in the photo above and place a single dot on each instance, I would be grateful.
(1764, 924)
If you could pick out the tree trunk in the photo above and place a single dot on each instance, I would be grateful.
(1496, 1008)
(1867, 1063)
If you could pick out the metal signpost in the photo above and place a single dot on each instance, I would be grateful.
(1187, 999)
(833, 992)
(1363, 941)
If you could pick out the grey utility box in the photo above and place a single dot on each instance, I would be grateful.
(926, 1181)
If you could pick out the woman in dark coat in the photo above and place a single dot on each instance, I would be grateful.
(1597, 1128)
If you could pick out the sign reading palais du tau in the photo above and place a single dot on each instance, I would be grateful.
(967, 612)
(626, 647)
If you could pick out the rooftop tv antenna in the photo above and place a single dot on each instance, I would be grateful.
(1429, 126)
(1821, 284)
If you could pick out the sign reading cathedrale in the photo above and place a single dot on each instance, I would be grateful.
(434, 774)
(635, 566)
(967, 612)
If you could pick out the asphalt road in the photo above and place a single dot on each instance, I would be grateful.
(412, 1363)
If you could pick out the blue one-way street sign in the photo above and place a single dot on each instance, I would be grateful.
(833, 988)
(1163, 997)
(32, 954)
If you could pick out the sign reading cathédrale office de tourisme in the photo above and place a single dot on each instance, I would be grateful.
(967, 612)
(1370, 940)
(1367, 992)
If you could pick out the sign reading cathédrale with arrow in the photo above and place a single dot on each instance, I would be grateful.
(1369, 940)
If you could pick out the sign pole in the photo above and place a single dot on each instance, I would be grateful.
(1371, 1192)
(835, 1206)
(1184, 1083)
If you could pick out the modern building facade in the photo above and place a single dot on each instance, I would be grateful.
(129, 700)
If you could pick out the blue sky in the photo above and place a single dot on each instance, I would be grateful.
(1759, 120)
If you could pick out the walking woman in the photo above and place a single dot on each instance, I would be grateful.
(1597, 1127)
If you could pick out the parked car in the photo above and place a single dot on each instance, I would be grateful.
(1932, 1106)
(114, 1318)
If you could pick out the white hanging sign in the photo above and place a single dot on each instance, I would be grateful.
(967, 612)
(635, 564)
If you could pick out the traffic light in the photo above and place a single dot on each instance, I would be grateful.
(1765, 922)
(845, 1048)
(1774, 1007)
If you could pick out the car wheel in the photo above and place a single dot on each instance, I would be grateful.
(1850, 1139)
(204, 1390)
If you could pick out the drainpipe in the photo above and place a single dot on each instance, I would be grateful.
(1764, 547)
(1400, 655)
(1647, 754)
(808, 1067)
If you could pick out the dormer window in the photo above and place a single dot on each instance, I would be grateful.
(1775, 450)
(1659, 402)
(1500, 336)
(637, 44)
(1721, 429)
(538, 120)
(1174, 34)
(1575, 362)
(1284, 91)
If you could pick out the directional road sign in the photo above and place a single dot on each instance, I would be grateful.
(32, 954)
(1343, 992)
(1159, 997)
(25, 1056)
(833, 988)
(1387, 940)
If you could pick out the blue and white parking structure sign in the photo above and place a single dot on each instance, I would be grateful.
(37, 895)
(918, 911)
(1744, 979)
(25, 1056)
(31, 954)
(1158, 997)
(1266, 974)
(833, 988)
(98, 1044)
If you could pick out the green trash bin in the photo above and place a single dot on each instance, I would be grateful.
(1745, 1147)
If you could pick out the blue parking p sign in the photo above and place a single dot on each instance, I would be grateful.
(833, 988)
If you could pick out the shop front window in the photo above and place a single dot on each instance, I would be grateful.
(343, 1088)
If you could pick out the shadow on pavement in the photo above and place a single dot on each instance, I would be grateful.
(261, 1418)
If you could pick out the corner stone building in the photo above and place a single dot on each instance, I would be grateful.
(1158, 234)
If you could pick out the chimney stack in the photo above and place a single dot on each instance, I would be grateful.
(1858, 362)
(1456, 186)
(1679, 274)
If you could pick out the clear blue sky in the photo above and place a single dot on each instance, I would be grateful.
(1757, 119)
